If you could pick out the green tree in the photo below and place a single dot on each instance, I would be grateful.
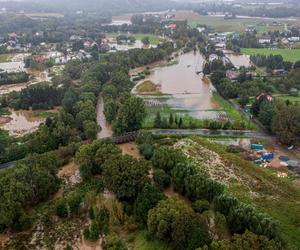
(200, 206)
(91, 157)
(69, 100)
(286, 123)
(146, 40)
(247, 241)
(130, 115)
(166, 159)
(172, 220)
(171, 120)
(125, 176)
(146, 200)
(91, 129)
(180, 123)
(161, 179)
(157, 120)
(266, 113)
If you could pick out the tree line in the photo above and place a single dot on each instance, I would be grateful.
(13, 77)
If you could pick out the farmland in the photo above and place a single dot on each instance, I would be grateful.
(230, 25)
(291, 55)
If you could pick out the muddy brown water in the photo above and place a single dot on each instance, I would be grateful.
(238, 60)
(37, 77)
(187, 89)
(106, 128)
(22, 122)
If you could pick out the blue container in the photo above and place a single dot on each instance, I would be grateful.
(268, 156)
(257, 146)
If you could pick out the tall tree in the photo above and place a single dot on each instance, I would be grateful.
(130, 115)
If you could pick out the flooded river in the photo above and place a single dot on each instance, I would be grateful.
(187, 90)
(106, 130)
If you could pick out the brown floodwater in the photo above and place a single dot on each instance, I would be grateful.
(187, 89)
(22, 122)
(37, 77)
(238, 60)
(106, 129)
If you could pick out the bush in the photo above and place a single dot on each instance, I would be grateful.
(161, 179)
(94, 231)
(200, 206)
(86, 233)
(146, 150)
(61, 208)
(91, 213)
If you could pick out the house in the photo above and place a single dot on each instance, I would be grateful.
(220, 46)
(39, 58)
(264, 95)
(213, 57)
(75, 38)
(285, 41)
(217, 37)
(250, 29)
(104, 47)
(87, 44)
(278, 72)
(294, 39)
(12, 36)
(264, 41)
(236, 36)
(171, 26)
(201, 29)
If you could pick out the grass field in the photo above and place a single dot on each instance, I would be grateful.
(291, 55)
(293, 99)
(154, 40)
(146, 87)
(232, 25)
(45, 15)
(4, 58)
(231, 111)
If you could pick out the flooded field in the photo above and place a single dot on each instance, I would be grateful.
(124, 47)
(240, 142)
(238, 60)
(12, 66)
(21, 122)
(36, 78)
(185, 89)
(16, 63)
